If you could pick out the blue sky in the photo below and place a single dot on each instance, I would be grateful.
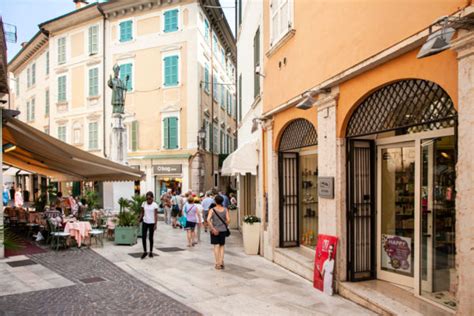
(27, 14)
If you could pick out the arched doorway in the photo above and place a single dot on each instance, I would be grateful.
(401, 176)
(298, 170)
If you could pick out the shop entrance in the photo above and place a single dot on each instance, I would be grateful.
(401, 194)
(298, 172)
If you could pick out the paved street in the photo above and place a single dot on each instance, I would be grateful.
(250, 285)
(83, 293)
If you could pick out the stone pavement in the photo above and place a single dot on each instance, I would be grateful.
(88, 284)
(250, 285)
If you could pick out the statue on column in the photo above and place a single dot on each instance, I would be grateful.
(119, 89)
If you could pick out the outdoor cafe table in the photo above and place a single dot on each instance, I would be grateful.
(78, 230)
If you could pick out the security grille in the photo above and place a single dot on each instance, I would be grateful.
(298, 134)
(289, 198)
(408, 106)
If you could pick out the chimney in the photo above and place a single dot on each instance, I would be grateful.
(24, 44)
(80, 3)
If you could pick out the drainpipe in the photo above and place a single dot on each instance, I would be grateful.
(99, 7)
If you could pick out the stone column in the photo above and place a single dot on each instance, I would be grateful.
(464, 46)
(118, 144)
(271, 235)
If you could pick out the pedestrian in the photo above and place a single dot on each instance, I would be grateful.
(233, 200)
(174, 209)
(218, 219)
(192, 217)
(12, 193)
(207, 203)
(226, 202)
(197, 202)
(5, 195)
(166, 202)
(149, 216)
(18, 197)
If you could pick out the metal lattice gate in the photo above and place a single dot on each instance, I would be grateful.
(289, 197)
(361, 210)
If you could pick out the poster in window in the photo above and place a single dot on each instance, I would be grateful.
(396, 253)
(324, 264)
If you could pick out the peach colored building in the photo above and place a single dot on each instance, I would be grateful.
(366, 142)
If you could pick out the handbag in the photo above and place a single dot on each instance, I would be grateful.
(227, 232)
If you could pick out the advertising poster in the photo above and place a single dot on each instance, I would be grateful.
(396, 254)
(324, 263)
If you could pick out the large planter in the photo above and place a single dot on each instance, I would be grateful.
(234, 222)
(125, 235)
(251, 236)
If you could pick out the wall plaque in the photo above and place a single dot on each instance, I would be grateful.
(167, 169)
(326, 187)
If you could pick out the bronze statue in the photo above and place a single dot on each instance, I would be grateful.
(119, 89)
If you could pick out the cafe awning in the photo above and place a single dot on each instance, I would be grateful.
(242, 161)
(40, 153)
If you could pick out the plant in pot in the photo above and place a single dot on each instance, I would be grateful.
(136, 207)
(251, 234)
(126, 229)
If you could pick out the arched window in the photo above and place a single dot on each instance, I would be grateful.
(298, 134)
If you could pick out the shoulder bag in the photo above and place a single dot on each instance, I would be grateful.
(227, 233)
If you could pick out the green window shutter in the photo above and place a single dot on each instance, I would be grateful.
(171, 21)
(166, 133)
(206, 29)
(215, 136)
(134, 135)
(46, 103)
(32, 111)
(173, 132)
(222, 101)
(206, 79)
(28, 77)
(33, 74)
(93, 82)
(62, 133)
(126, 31)
(93, 136)
(126, 70)
(62, 89)
(93, 39)
(62, 50)
(47, 63)
(221, 142)
(171, 70)
(28, 110)
(214, 88)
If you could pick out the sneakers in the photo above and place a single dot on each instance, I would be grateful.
(150, 255)
(144, 255)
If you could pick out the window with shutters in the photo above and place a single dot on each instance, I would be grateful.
(46, 103)
(170, 132)
(171, 71)
(33, 74)
(215, 92)
(62, 133)
(61, 50)
(221, 147)
(93, 39)
(134, 136)
(62, 89)
(256, 63)
(215, 44)
(47, 63)
(229, 104)
(32, 110)
(93, 135)
(28, 111)
(126, 70)
(171, 21)
(281, 12)
(46, 130)
(222, 96)
(94, 82)
(215, 140)
(226, 143)
(126, 31)
(206, 29)
(28, 77)
(206, 79)
(208, 127)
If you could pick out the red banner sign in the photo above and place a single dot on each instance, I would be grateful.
(324, 263)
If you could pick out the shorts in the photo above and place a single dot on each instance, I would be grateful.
(219, 239)
(174, 212)
(190, 225)
(204, 215)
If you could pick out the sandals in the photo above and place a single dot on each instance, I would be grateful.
(218, 267)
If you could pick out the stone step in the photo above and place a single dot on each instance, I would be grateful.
(297, 260)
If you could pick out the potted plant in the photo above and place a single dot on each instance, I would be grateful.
(126, 229)
(234, 223)
(251, 234)
(135, 205)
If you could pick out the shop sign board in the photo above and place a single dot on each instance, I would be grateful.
(326, 187)
(396, 253)
(167, 169)
(324, 264)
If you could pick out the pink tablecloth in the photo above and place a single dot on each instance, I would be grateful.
(78, 230)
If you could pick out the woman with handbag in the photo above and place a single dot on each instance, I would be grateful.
(218, 219)
(192, 218)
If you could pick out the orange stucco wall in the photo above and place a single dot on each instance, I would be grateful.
(441, 69)
(333, 35)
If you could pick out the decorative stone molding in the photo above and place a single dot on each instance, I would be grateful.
(62, 106)
(464, 44)
(61, 70)
(171, 108)
(281, 42)
(170, 48)
(93, 61)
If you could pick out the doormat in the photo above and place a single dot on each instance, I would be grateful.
(170, 249)
(21, 263)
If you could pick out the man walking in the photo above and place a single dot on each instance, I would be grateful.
(206, 205)
(166, 202)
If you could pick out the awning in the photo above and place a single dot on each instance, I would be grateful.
(12, 172)
(242, 161)
(40, 153)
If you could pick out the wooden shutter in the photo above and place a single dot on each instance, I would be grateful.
(173, 132)
(134, 136)
(166, 138)
(46, 105)
(171, 70)
(126, 31)
(93, 45)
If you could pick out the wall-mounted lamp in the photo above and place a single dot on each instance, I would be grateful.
(258, 71)
(308, 100)
(8, 147)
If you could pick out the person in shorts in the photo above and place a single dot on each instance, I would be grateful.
(207, 203)
(192, 218)
(174, 209)
(218, 219)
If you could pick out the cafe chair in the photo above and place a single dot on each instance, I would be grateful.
(98, 235)
(57, 238)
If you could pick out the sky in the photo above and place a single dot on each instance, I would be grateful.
(27, 14)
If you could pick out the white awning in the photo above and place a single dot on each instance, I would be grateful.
(12, 171)
(242, 161)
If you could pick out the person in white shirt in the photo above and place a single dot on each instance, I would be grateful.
(197, 202)
(207, 204)
(149, 216)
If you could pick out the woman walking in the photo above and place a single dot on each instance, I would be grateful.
(192, 218)
(149, 216)
(218, 219)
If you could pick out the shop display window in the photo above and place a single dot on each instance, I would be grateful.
(308, 208)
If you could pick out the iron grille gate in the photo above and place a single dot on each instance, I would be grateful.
(289, 197)
(361, 210)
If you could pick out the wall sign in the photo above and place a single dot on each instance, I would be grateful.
(167, 169)
(326, 187)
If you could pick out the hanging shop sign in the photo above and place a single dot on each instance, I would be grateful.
(326, 187)
(167, 169)
(324, 264)
(396, 253)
